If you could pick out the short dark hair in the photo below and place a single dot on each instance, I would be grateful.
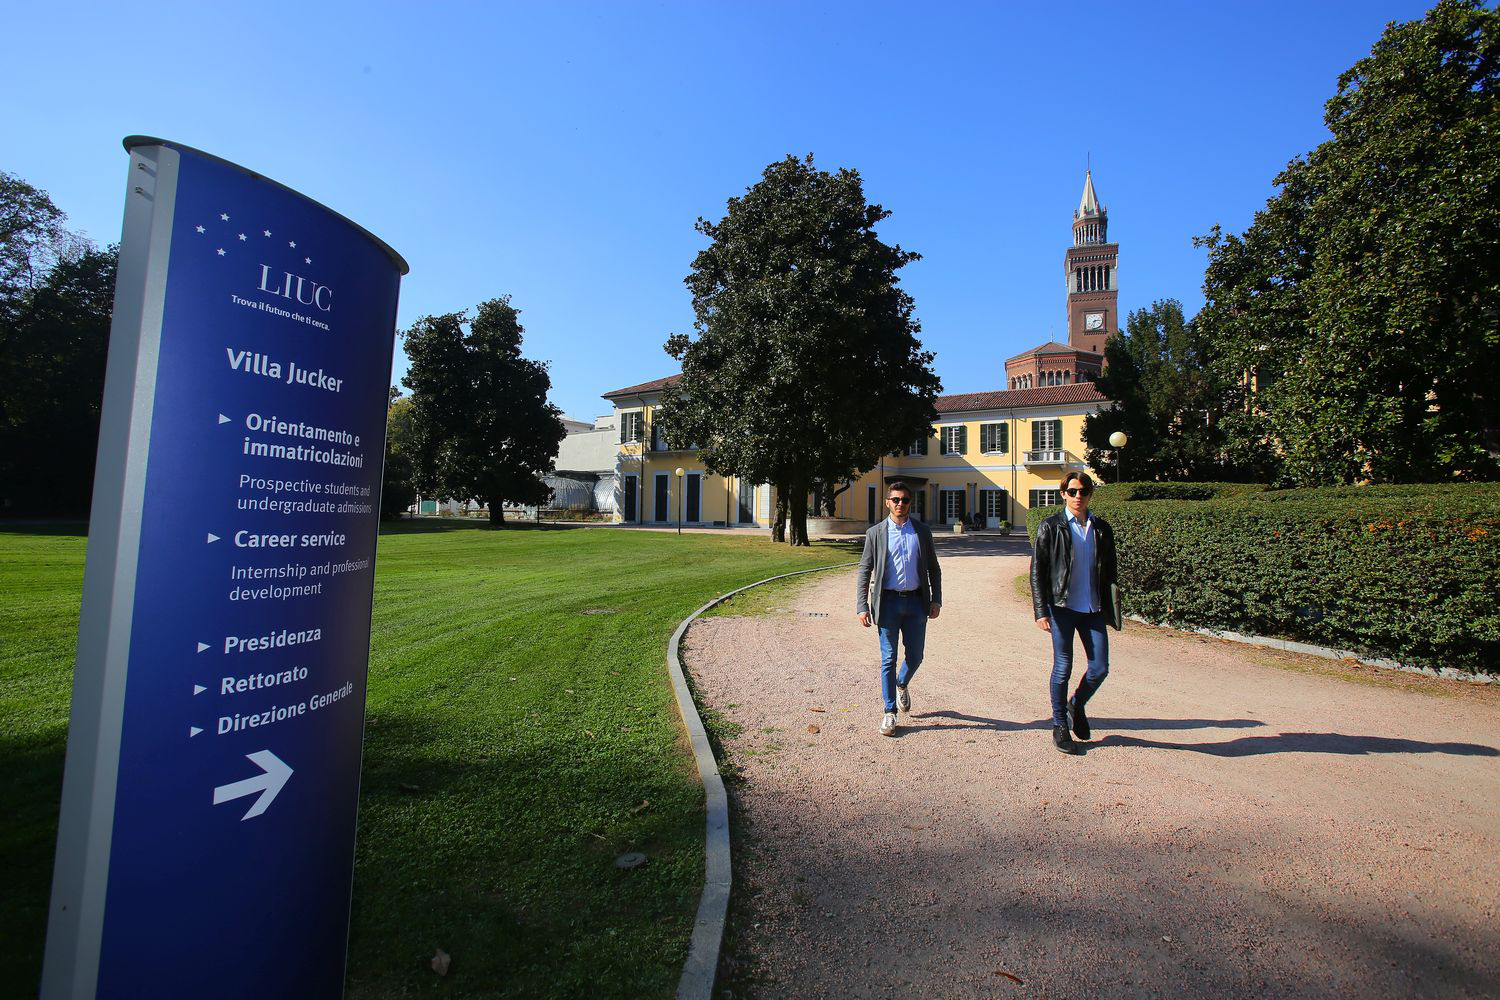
(1084, 480)
(899, 485)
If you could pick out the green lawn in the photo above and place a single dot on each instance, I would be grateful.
(521, 734)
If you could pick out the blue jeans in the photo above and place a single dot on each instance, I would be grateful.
(1089, 627)
(901, 618)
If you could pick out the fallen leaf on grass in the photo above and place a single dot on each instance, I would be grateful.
(645, 803)
(410, 788)
(1007, 975)
(441, 961)
(814, 729)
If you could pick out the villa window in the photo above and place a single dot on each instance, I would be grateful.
(630, 427)
(1044, 498)
(1046, 435)
(994, 439)
(955, 440)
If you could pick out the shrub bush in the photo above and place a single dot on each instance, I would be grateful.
(1405, 572)
(1191, 491)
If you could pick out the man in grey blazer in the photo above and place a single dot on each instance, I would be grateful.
(900, 587)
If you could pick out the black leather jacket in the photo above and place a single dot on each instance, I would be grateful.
(1052, 563)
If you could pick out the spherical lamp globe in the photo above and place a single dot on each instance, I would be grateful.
(679, 471)
(1118, 439)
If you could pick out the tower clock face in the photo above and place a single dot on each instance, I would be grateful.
(1093, 321)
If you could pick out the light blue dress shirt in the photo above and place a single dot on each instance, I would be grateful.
(1081, 576)
(901, 554)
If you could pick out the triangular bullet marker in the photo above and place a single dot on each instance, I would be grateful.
(223, 419)
(212, 538)
(202, 646)
(193, 731)
(199, 689)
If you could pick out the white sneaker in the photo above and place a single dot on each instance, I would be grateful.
(888, 724)
(903, 700)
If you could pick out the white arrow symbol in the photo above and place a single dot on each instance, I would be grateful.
(212, 538)
(268, 784)
(199, 689)
(193, 731)
(223, 419)
(202, 646)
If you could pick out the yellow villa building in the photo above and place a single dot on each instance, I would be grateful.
(991, 454)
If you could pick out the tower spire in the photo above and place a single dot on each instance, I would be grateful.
(1089, 203)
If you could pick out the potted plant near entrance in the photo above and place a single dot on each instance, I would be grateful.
(1004, 527)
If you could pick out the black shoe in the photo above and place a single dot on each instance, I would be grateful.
(1078, 720)
(1063, 741)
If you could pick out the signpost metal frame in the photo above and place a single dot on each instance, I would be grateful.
(76, 917)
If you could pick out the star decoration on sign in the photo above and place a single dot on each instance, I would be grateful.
(221, 249)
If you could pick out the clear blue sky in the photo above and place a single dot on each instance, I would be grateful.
(561, 152)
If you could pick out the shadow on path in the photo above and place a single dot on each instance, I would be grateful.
(958, 720)
(1339, 743)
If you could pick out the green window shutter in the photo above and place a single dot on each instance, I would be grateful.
(1003, 433)
(924, 444)
(963, 440)
(1036, 435)
(942, 440)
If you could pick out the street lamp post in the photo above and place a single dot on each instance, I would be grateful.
(679, 499)
(1119, 440)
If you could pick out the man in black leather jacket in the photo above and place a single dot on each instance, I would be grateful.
(1072, 570)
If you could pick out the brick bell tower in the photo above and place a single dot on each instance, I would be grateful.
(1092, 268)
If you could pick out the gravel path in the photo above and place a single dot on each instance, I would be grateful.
(1235, 829)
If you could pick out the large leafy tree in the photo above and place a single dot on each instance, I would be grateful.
(398, 490)
(806, 367)
(480, 424)
(1359, 316)
(1167, 400)
(56, 297)
(33, 239)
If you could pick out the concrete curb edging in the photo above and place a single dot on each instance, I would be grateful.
(702, 965)
(1326, 652)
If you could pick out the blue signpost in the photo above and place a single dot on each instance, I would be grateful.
(206, 841)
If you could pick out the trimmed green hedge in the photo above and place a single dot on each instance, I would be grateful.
(1405, 572)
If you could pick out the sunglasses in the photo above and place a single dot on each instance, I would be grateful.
(898, 499)
(1074, 491)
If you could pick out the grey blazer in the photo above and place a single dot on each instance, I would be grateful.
(872, 569)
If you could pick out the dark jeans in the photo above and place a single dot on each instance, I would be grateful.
(901, 618)
(1089, 626)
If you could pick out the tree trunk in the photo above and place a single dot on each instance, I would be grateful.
(833, 499)
(497, 511)
(799, 517)
(778, 527)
